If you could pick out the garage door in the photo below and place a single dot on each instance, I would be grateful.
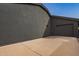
(64, 30)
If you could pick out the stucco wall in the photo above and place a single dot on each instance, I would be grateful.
(63, 27)
(20, 22)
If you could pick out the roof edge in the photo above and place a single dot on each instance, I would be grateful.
(63, 17)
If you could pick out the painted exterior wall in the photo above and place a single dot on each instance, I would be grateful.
(20, 22)
(63, 27)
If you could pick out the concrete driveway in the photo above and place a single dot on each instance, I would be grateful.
(48, 46)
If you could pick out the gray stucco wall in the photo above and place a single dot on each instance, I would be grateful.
(47, 31)
(63, 27)
(20, 22)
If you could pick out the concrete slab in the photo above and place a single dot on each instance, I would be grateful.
(48, 46)
(16, 50)
(55, 45)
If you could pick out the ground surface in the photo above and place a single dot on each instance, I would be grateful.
(48, 46)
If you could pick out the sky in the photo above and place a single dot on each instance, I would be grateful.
(63, 9)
